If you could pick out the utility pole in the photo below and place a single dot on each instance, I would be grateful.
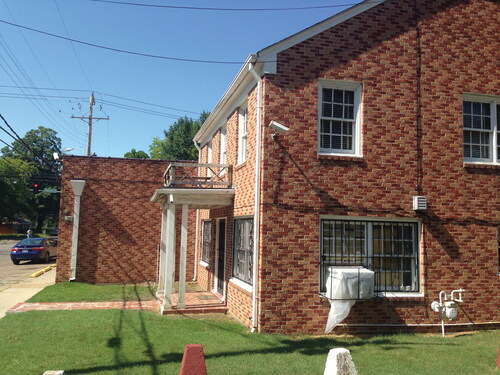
(89, 121)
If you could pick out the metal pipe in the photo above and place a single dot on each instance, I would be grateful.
(256, 230)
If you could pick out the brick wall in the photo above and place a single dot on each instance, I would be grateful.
(238, 301)
(460, 53)
(119, 226)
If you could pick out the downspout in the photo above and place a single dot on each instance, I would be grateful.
(78, 186)
(195, 276)
(256, 223)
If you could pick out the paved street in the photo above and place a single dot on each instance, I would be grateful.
(16, 285)
(11, 274)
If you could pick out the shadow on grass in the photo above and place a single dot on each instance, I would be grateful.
(305, 346)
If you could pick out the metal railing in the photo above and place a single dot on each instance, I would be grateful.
(198, 175)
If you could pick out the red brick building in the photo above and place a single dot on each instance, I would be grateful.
(370, 109)
(119, 227)
(383, 102)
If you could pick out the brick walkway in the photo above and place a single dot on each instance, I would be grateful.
(197, 302)
(47, 306)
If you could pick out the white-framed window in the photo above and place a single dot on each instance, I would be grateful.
(242, 133)
(243, 249)
(223, 147)
(209, 157)
(481, 128)
(206, 241)
(339, 128)
(389, 248)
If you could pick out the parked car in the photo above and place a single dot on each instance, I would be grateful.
(40, 248)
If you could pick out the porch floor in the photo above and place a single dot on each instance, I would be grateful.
(196, 302)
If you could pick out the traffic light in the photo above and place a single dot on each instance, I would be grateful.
(36, 188)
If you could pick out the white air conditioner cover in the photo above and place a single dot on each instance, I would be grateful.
(345, 285)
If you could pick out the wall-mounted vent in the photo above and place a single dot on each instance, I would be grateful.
(419, 203)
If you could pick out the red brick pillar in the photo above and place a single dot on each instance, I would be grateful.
(193, 361)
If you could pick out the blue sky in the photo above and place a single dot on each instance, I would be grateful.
(31, 59)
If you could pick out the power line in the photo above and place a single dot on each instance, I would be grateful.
(17, 81)
(41, 157)
(170, 58)
(72, 45)
(225, 9)
(37, 96)
(44, 88)
(97, 92)
(155, 105)
(138, 109)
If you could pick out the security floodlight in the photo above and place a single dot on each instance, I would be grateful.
(278, 128)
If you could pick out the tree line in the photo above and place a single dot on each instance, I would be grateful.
(30, 175)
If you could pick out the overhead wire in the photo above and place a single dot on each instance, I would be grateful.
(40, 157)
(58, 118)
(226, 9)
(16, 79)
(72, 45)
(171, 58)
(107, 94)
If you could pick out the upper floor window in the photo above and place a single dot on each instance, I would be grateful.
(222, 156)
(209, 157)
(242, 134)
(339, 117)
(481, 127)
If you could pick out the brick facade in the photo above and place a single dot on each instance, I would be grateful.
(119, 227)
(415, 60)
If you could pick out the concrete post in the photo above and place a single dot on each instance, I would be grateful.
(77, 186)
(163, 249)
(183, 257)
(170, 259)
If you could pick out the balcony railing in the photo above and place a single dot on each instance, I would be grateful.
(198, 175)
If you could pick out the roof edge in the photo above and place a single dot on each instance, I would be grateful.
(216, 116)
(269, 54)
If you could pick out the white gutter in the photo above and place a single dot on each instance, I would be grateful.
(195, 276)
(78, 186)
(256, 222)
(227, 103)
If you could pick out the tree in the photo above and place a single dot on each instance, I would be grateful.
(16, 198)
(36, 150)
(136, 154)
(178, 142)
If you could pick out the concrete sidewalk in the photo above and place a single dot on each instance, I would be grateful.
(24, 290)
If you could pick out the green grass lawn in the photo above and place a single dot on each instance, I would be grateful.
(140, 342)
(82, 292)
(143, 342)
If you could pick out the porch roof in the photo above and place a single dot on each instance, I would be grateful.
(194, 197)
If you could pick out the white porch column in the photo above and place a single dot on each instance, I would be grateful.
(170, 258)
(77, 186)
(163, 249)
(183, 257)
